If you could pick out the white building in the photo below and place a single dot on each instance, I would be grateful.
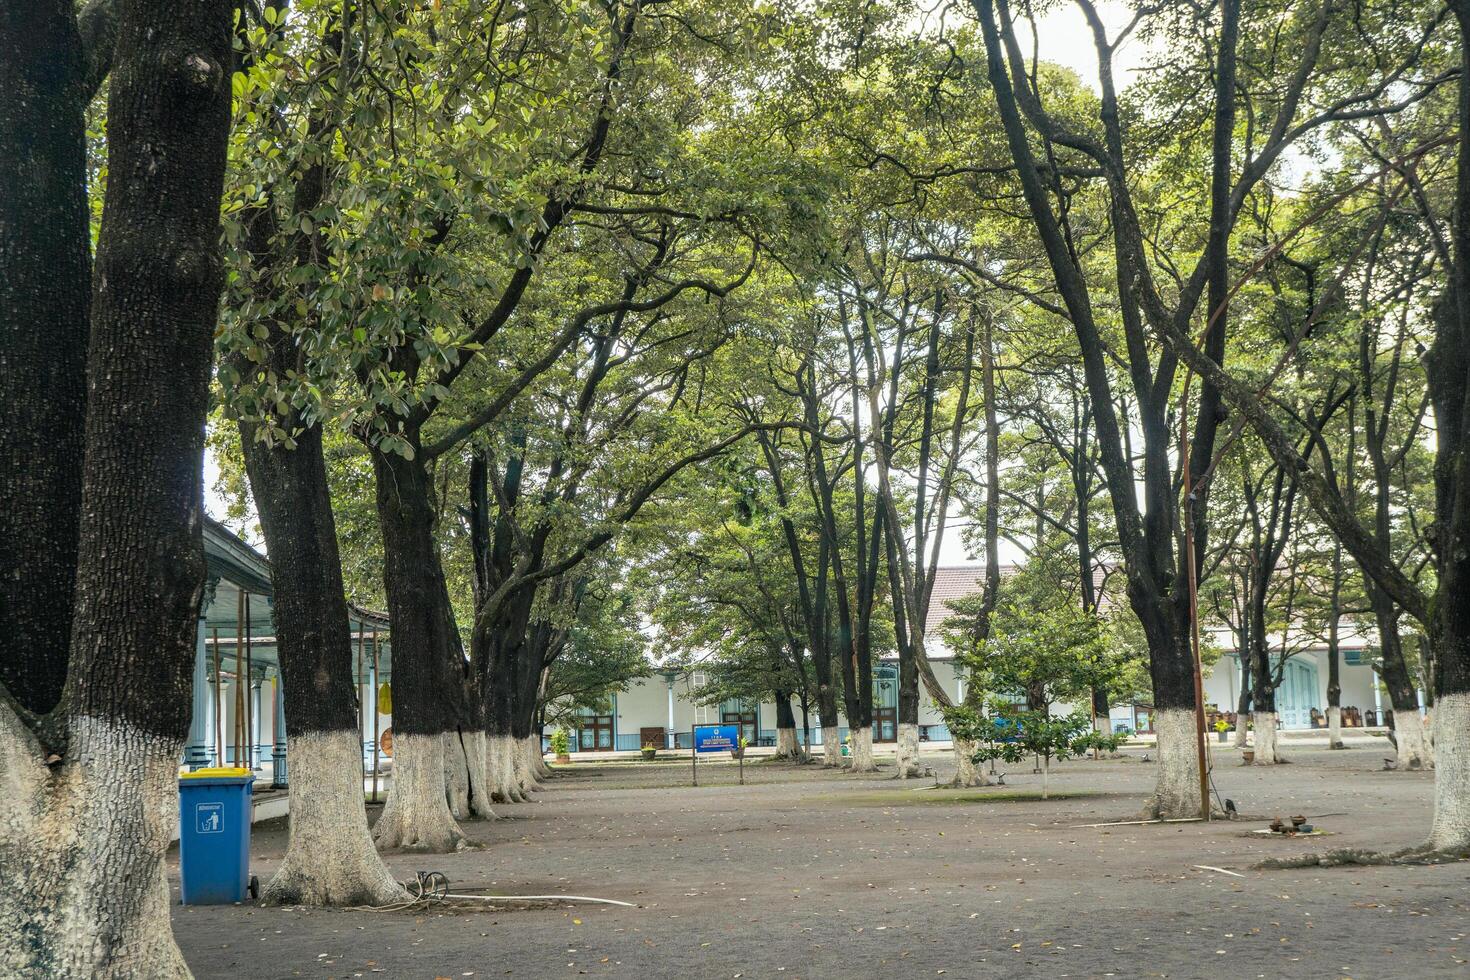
(659, 710)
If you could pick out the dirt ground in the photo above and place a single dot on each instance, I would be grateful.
(808, 873)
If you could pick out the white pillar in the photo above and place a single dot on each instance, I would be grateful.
(252, 752)
(669, 740)
(199, 751)
(278, 754)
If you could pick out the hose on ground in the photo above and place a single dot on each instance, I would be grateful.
(432, 888)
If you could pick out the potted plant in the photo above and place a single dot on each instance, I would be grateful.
(739, 751)
(560, 744)
(650, 751)
(847, 745)
(1221, 727)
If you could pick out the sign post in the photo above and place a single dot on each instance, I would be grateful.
(713, 738)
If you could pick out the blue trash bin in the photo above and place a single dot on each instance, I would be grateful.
(214, 836)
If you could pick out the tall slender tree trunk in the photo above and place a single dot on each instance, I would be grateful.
(1334, 653)
(1411, 744)
(786, 744)
(425, 686)
(330, 859)
(91, 729)
(1263, 695)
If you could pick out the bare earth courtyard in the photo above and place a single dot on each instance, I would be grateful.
(808, 873)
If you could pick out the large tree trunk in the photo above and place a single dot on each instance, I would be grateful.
(1412, 748)
(860, 751)
(330, 859)
(786, 743)
(1263, 700)
(44, 268)
(426, 687)
(83, 839)
(1177, 786)
(831, 746)
(907, 749)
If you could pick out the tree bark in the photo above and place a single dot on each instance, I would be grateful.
(45, 264)
(108, 693)
(427, 688)
(330, 858)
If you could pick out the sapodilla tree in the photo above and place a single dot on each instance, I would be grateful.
(266, 374)
(562, 492)
(94, 680)
(1148, 530)
(1444, 615)
(408, 298)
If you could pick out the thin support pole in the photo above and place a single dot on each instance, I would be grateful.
(360, 637)
(377, 683)
(249, 687)
(239, 659)
(219, 714)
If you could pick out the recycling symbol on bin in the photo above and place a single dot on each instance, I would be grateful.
(209, 818)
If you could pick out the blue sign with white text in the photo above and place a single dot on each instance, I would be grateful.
(716, 738)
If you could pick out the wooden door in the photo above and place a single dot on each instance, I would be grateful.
(596, 733)
(885, 725)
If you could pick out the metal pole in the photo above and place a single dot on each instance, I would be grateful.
(219, 715)
(358, 675)
(249, 691)
(239, 651)
(376, 685)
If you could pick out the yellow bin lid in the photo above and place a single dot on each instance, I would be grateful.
(215, 772)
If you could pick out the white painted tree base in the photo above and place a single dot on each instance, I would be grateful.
(1451, 831)
(1176, 789)
(83, 889)
(831, 748)
(417, 816)
(521, 771)
(1334, 728)
(330, 859)
(860, 752)
(1267, 752)
(537, 758)
(473, 746)
(500, 769)
(908, 764)
(787, 746)
(967, 773)
(1414, 751)
(456, 776)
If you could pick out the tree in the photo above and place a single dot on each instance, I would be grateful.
(273, 390)
(103, 674)
(1012, 734)
(1444, 616)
